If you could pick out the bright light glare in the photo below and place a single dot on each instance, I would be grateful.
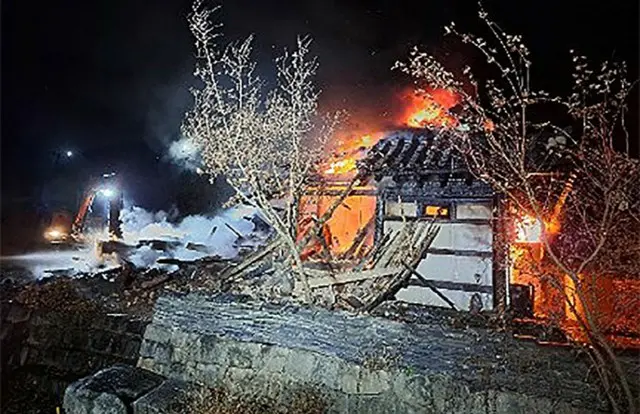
(108, 192)
(529, 230)
(69, 154)
(54, 234)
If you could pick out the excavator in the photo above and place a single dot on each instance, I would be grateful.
(63, 231)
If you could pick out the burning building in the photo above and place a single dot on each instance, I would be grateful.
(482, 256)
(413, 175)
(410, 175)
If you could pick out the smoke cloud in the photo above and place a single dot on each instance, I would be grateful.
(196, 236)
(185, 153)
(149, 236)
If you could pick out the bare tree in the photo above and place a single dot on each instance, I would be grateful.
(591, 214)
(265, 142)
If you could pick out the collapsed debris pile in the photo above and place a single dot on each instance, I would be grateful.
(262, 273)
(342, 284)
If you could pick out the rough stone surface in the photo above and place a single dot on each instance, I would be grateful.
(109, 391)
(47, 350)
(362, 364)
(170, 397)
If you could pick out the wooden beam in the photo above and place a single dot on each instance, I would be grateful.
(430, 285)
(319, 278)
(391, 289)
(357, 241)
(252, 259)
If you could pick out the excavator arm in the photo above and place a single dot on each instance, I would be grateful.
(78, 223)
(61, 234)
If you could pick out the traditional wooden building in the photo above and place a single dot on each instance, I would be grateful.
(414, 175)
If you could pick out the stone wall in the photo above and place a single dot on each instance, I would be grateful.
(360, 364)
(44, 351)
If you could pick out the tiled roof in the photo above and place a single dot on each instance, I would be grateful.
(415, 152)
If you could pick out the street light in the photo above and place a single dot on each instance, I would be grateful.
(108, 192)
(69, 153)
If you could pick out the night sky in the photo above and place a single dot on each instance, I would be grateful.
(109, 79)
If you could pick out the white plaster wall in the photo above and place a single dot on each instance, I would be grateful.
(470, 269)
(464, 236)
(462, 269)
(425, 296)
(393, 208)
(473, 211)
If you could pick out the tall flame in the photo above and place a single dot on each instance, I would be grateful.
(347, 151)
(428, 109)
(431, 108)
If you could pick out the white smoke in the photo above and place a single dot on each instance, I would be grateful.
(186, 153)
(149, 236)
(70, 262)
(193, 237)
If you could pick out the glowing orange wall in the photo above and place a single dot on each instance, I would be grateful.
(352, 215)
(614, 302)
(527, 262)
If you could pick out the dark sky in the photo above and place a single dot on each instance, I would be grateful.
(108, 78)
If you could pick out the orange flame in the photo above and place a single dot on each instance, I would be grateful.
(431, 109)
(346, 153)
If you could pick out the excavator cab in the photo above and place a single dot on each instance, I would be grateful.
(65, 231)
(59, 230)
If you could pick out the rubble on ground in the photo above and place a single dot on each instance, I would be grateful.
(264, 273)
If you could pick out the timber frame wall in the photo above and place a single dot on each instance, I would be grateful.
(450, 192)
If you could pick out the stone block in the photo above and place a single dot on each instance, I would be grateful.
(350, 379)
(157, 333)
(338, 402)
(182, 339)
(301, 365)
(187, 351)
(250, 346)
(160, 352)
(100, 341)
(448, 396)
(507, 402)
(125, 347)
(210, 374)
(171, 397)
(239, 378)
(274, 361)
(147, 363)
(179, 371)
(75, 339)
(375, 382)
(371, 404)
(109, 391)
(211, 351)
(116, 323)
(136, 327)
(413, 390)
(18, 314)
(328, 371)
(243, 354)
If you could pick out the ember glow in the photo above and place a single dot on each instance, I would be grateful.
(340, 232)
